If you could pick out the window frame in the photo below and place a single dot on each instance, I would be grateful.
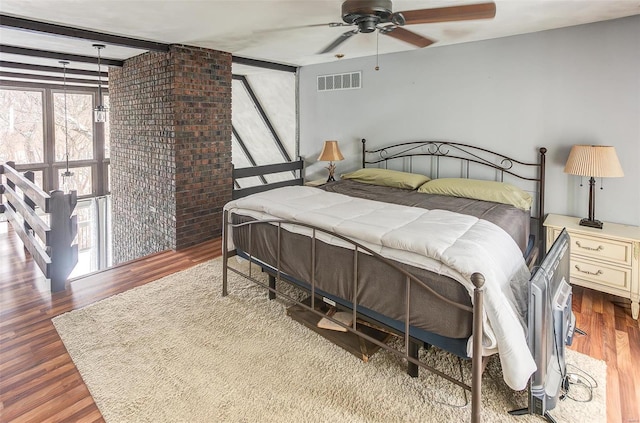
(42, 92)
(51, 169)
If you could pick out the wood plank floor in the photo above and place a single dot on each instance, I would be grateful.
(39, 382)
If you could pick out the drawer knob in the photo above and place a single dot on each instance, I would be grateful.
(599, 272)
(600, 247)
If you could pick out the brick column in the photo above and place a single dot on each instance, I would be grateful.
(170, 124)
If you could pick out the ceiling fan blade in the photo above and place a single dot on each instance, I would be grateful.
(451, 13)
(408, 37)
(341, 39)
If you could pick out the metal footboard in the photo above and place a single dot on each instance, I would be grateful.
(409, 279)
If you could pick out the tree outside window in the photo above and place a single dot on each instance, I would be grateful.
(21, 126)
(80, 126)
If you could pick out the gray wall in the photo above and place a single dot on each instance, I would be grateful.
(578, 85)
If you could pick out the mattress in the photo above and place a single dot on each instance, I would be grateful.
(334, 266)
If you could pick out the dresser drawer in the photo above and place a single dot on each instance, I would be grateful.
(609, 250)
(602, 274)
(606, 259)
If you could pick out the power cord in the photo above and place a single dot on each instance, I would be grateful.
(578, 381)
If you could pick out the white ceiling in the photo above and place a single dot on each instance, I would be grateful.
(273, 30)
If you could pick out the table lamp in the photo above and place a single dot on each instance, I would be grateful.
(594, 161)
(330, 153)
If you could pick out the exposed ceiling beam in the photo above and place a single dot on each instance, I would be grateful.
(66, 31)
(31, 76)
(263, 64)
(58, 56)
(42, 68)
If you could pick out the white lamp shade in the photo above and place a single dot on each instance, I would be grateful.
(598, 161)
(330, 152)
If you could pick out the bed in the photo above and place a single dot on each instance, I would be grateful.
(336, 243)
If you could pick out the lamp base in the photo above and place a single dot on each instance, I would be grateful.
(331, 168)
(591, 223)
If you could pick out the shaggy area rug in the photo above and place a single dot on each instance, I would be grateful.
(175, 350)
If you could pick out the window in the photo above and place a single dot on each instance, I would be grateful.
(107, 129)
(21, 126)
(33, 135)
(264, 122)
(107, 184)
(94, 239)
(79, 126)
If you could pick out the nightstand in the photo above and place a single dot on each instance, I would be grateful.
(606, 259)
(315, 183)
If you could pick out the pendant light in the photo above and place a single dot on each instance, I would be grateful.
(66, 175)
(100, 112)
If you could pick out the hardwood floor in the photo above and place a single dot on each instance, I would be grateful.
(613, 336)
(39, 382)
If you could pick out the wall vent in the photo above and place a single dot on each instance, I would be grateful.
(340, 81)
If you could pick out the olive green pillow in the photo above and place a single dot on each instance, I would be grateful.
(387, 177)
(498, 192)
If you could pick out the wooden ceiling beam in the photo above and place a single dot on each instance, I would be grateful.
(14, 22)
(56, 69)
(23, 51)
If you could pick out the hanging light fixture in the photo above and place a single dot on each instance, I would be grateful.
(66, 175)
(100, 112)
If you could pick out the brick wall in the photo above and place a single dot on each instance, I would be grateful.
(170, 123)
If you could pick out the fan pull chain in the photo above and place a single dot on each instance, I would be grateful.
(377, 49)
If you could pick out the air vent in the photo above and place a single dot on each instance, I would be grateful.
(340, 81)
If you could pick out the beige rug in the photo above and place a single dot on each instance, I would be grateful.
(175, 350)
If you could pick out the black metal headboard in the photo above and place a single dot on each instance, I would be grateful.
(467, 154)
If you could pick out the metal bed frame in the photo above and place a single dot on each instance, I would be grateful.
(437, 150)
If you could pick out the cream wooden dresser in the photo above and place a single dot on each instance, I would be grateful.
(606, 259)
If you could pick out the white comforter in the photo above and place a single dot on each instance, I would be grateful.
(444, 242)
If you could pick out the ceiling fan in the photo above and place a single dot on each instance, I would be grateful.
(369, 15)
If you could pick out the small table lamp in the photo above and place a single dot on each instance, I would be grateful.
(330, 153)
(593, 161)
